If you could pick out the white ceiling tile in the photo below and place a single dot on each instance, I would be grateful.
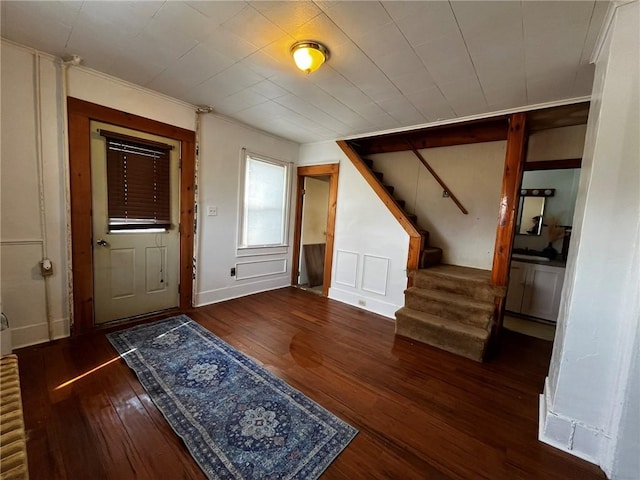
(431, 103)
(595, 24)
(423, 22)
(130, 67)
(268, 89)
(414, 82)
(548, 89)
(226, 83)
(555, 16)
(464, 95)
(446, 59)
(177, 19)
(254, 27)
(393, 64)
(358, 19)
(321, 29)
(239, 101)
(584, 80)
(219, 11)
(289, 16)
(190, 70)
(497, 17)
(229, 44)
(120, 24)
(301, 107)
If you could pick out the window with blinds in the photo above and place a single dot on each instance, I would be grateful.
(138, 183)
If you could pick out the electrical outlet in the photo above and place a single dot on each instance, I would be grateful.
(445, 194)
(212, 211)
(233, 271)
(362, 303)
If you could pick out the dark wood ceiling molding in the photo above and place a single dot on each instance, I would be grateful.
(554, 164)
(557, 117)
(477, 131)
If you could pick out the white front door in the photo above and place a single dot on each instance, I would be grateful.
(135, 270)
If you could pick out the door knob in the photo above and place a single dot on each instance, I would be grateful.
(102, 243)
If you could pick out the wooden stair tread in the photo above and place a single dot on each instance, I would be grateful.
(460, 328)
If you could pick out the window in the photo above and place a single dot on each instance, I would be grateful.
(266, 202)
(138, 183)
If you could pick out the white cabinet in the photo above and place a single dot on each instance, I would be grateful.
(535, 290)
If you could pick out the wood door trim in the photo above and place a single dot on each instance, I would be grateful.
(331, 170)
(80, 114)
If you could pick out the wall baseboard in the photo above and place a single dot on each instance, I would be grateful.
(236, 291)
(371, 304)
(567, 434)
(38, 333)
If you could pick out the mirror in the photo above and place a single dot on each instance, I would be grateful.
(530, 215)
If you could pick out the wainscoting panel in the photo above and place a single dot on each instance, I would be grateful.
(346, 268)
(375, 272)
(260, 268)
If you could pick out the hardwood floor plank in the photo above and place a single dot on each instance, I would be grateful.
(422, 413)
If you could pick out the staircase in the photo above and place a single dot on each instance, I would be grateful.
(446, 306)
(428, 255)
(450, 307)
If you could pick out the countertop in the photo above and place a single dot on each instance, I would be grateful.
(550, 263)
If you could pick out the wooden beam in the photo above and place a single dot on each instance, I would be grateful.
(415, 238)
(553, 164)
(512, 177)
(486, 130)
(438, 179)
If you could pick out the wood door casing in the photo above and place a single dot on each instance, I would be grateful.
(80, 114)
(331, 170)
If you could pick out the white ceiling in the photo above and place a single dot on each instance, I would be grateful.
(393, 64)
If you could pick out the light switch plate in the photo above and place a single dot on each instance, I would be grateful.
(212, 211)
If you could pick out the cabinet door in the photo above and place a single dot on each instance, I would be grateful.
(542, 293)
(515, 290)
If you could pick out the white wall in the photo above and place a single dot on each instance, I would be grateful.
(221, 155)
(26, 236)
(588, 389)
(474, 174)
(371, 248)
(556, 143)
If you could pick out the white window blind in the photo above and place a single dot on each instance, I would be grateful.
(265, 205)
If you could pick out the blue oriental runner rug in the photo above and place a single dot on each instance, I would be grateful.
(237, 419)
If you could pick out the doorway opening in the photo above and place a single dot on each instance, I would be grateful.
(317, 191)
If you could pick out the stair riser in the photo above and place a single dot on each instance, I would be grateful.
(439, 337)
(475, 290)
(478, 317)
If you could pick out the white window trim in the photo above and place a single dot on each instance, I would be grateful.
(260, 249)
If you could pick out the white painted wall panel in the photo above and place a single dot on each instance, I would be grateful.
(346, 271)
(260, 268)
(375, 271)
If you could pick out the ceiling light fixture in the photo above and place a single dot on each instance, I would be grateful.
(309, 55)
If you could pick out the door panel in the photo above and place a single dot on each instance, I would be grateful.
(135, 271)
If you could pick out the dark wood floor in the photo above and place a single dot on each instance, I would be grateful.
(422, 413)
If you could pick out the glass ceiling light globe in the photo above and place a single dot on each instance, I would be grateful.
(309, 55)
